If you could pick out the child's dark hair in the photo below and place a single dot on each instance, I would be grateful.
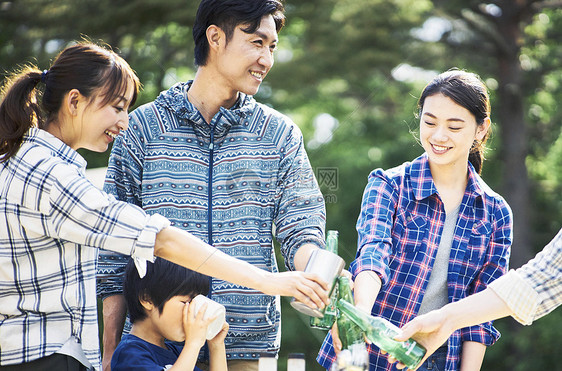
(227, 14)
(92, 69)
(163, 281)
(468, 91)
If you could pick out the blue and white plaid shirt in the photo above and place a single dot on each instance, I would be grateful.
(52, 222)
(399, 231)
(236, 183)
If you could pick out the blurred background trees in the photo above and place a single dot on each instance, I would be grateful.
(349, 73)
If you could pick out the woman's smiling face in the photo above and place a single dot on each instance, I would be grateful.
(448, 130)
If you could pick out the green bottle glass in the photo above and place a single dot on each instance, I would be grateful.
(348, 331)
(351, 336)
(330, 311)
(381, 333)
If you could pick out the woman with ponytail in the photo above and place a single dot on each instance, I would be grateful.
(431, 231)
(53, 220)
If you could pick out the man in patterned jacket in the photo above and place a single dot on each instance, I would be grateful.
(220, 165)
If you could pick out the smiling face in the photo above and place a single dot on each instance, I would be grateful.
(448, 130)
(97, 124)
(244, 61)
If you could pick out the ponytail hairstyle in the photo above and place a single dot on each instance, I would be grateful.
(92, 69)
(467, 90)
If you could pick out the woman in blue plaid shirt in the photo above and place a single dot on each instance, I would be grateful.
(527, 294)
(431, 231)
(53, 220)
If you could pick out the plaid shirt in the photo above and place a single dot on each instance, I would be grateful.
(535, 289)
(399, 230)
(53, 220)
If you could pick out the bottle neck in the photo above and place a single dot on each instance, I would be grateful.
(332, 241)
(365, 321)
(344, 287)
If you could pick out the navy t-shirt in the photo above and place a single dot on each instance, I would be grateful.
(133, 354)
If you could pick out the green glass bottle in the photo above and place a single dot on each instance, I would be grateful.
(351, 335)
(381, 333)
(348, 331)
(330, 311)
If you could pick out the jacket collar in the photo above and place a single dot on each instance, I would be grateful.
(176, 100)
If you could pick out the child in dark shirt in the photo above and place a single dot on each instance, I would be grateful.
(161, 314)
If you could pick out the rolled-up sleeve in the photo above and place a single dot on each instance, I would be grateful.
(374, 227)
(81, 213)
(300, 211)
(519, 296)
(123, 176)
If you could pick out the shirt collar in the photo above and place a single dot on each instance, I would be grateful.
(422, 181)
(35, 136)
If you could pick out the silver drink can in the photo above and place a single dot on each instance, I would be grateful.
(328, 266)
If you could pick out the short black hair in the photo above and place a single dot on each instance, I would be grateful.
(227, 14)
(163, 281)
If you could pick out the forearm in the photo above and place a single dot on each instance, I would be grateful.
(114, 312)
(303, 254)
(187, 358)
(472, 356)
(217, 357)
(183, 248)
(366, 288)
(434, 328)
(482, 307)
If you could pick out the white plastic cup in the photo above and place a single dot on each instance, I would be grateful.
(213, 309)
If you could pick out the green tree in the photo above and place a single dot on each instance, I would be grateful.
(514, 46)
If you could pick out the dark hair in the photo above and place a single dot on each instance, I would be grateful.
(227, 14)
(163, 281)
(468, 91)
(92, 69)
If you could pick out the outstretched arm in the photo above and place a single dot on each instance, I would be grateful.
(434, 328)
(529, 293)
(185, 249)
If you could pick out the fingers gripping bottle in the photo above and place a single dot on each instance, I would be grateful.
(381, 333)
(326, 322)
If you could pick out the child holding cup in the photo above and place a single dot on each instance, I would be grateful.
(167, 306)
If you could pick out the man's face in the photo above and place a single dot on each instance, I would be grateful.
(246, 59)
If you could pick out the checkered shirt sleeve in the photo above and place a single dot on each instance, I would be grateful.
(535, 289)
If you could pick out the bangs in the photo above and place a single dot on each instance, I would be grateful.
(119, 78)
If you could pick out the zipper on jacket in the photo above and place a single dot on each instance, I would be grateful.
(210, 183)
(206, 354)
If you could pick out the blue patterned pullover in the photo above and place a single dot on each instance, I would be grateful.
(235, 183)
